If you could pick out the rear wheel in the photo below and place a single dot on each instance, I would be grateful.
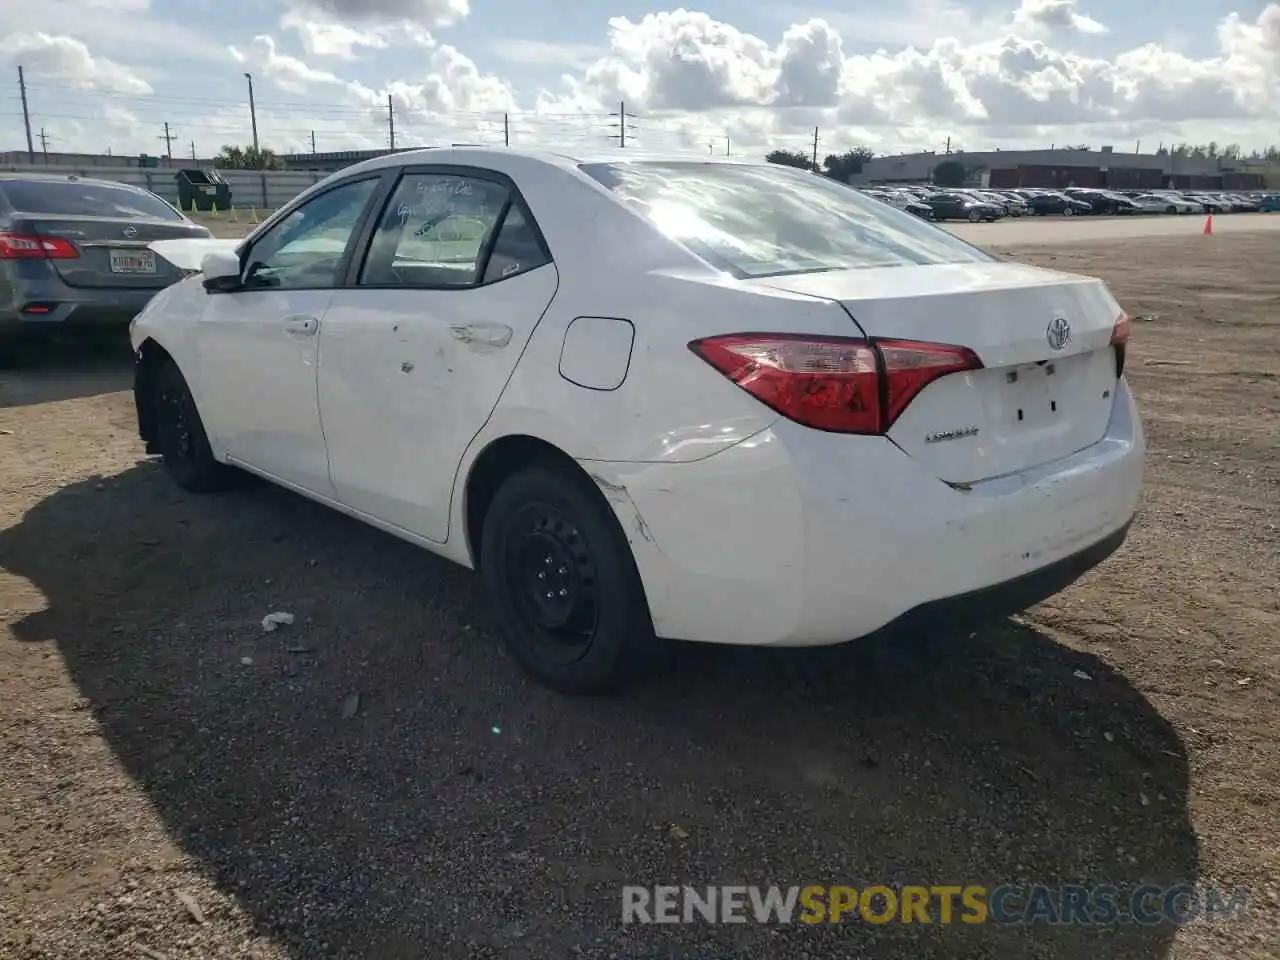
(180, 435)
(974, 216)
(1170, 209)
(1068, 212)
(563, 582)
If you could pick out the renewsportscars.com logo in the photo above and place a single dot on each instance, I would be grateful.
(938, 904)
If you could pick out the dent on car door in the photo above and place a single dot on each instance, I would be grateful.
(257, 344)
(418, 351)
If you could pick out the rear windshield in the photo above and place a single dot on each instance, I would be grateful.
(756, 221)
(73, 198)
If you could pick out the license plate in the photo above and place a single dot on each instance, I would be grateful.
(133, 261)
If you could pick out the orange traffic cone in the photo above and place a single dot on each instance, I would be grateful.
(1208, 225)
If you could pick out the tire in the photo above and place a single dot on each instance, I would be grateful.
(1068, 212)
(975, 216)
(1171, 210)
(180, 436)
(600, 634)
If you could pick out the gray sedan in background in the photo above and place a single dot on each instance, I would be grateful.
(74, 257)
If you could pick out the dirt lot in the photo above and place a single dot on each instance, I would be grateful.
(179, 783)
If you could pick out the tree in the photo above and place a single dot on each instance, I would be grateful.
(790, 158)
(950, 173)
(233, 157)
(843, 166)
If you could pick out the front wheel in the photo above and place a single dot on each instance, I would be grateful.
(180, 435)
(563, 582)
(975, 216)
(1068, 212)
(1170, 209)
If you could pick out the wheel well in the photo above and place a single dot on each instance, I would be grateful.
(498, 461)
(150, 357)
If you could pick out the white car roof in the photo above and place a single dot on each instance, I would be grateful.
(498, 157)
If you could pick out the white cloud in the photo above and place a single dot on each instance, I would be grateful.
(324, 37)
(1055, 16)
(428, 13)
(1015, 78)
(67, 60)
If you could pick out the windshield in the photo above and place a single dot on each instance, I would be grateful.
(756, 221)
(72, 198)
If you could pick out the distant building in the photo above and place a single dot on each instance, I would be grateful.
(1071, 168)
(78, 161)
(336, 160)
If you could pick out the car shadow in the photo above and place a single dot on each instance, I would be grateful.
(45, 372)
(456, 809)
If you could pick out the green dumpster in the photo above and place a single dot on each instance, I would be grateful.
(202, 190)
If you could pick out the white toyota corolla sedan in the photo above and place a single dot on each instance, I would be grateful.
(656, 398)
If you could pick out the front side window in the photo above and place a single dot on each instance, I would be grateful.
(305, 249)
(435, 231)
(755, 221)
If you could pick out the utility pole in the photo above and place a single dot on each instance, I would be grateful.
(622, 116)
(26, 116)
(313, 143)
(391, 122)
(168, 139)
(506, 129)
(193, 150)
(815, 148)
(948, 146)
(44, 145)
(253, 114)
(726, 146)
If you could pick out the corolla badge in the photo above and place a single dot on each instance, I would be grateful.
(1059, 332)
(958, 434)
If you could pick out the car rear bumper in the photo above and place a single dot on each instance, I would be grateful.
(796, 537)
(62, 309)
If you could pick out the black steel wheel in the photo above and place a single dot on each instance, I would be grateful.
(180, 435)
(563, 582)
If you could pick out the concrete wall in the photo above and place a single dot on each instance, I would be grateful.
(264, 189)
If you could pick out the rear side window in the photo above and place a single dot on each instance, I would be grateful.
(767, 220)
(445, 230)
(72, 198)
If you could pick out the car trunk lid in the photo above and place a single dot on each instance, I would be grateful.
(1049, 372)
(113, 253)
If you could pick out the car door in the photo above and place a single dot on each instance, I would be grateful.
(257, 344)
(946, 206)
(417, 350)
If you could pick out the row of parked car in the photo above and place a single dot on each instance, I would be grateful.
(982, 205)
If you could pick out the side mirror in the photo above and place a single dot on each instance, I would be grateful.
(221, 270)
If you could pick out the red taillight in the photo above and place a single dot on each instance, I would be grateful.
(26, 246)
(838, 384)
(1120, 341)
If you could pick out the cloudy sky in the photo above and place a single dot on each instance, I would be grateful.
(741, 76)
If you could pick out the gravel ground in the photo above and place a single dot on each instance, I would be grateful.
(378, 781)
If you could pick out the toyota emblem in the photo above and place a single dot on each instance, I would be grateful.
(129, 232)
(1059, 332)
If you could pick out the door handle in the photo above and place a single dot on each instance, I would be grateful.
(490, 334)
(301, 325)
